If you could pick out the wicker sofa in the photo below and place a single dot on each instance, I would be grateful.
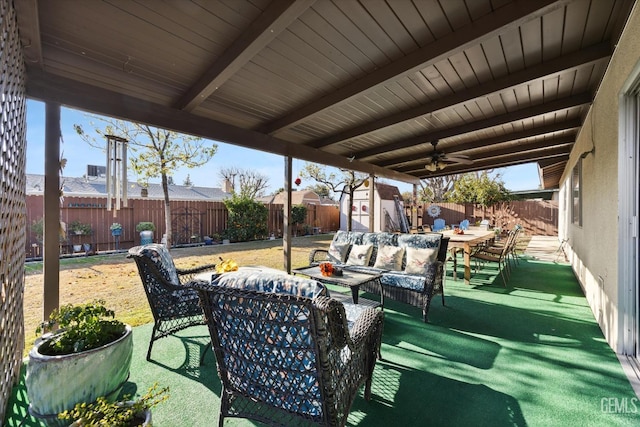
(286, 353)
(412, 265)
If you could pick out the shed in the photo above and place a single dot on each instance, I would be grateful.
(386, 213)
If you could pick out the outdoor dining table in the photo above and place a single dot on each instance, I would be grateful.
(467, 241)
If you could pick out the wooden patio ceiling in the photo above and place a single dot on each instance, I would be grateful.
(365, 85)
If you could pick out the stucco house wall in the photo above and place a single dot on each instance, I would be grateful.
(593, 248)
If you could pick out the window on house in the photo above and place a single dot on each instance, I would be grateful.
(576, 194)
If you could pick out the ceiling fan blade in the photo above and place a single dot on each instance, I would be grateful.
(465, 160)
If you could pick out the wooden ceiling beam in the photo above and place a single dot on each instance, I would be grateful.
(497, 162)
(275, 19)
(522, 148)
(537, 110)
(531, 75)
(29, 24)
(503, 19)
(447, 171)
(569, 125)
(549, 163)
(533, 148)
(52, 88)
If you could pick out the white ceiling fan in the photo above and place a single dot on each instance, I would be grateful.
(439, 160)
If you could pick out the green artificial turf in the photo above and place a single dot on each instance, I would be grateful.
(528, 355)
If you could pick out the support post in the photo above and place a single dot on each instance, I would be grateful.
(414, 208)
(286, 237)
(51, 254)
(372, 201)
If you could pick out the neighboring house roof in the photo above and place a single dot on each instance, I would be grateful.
(298, 198)
(96, 187)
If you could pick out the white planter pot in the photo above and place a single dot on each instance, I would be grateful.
(56, 383)
(146, 237)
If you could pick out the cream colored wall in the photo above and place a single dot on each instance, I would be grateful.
(593, 250)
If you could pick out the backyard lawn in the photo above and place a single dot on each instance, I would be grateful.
(115, 279)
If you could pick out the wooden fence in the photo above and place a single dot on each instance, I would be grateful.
(537, 217)
(191, 221)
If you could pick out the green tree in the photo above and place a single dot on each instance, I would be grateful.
(153, 152)
(298, 215)
(187, 181)
(247, 219)
(347, 183)
(481, 189)
(321, 190)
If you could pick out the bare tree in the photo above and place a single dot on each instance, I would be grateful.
(347, 183)
(251, 184)
(154, 153)
(434, 190)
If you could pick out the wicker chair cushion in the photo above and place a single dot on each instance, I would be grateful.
(419, 258)
(352, 237)
(353, 312)
(360, 255)
(270, 281)
(159, 254)
(389, 257)
(338, 251)
(268, 346)
(427, 240)
(400, 279)
(380, 239)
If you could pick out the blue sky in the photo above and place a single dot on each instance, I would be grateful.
(79, 154)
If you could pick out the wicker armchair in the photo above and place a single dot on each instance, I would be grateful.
(285, 356)
(174, 306)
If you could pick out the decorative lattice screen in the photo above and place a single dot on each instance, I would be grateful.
(12, 201)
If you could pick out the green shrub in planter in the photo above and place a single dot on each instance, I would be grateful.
(122, 413)
(79, 227)
(85, 327)
(145, 226)
(87, 357)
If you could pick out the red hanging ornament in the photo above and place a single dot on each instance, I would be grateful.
(297, 181)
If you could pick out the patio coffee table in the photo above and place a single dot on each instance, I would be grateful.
(351, 279)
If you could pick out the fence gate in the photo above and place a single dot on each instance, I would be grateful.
(187, 225)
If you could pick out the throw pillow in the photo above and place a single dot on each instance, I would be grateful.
(338, 252)
(360, 255)
(389, 258)
(418, 259)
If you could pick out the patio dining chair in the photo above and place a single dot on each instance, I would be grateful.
(173, 305)
(512, 246)
(464, 224)
(438, 224)
(499, 256)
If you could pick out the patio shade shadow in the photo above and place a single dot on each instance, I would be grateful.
(441, 342)
(440, 401)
